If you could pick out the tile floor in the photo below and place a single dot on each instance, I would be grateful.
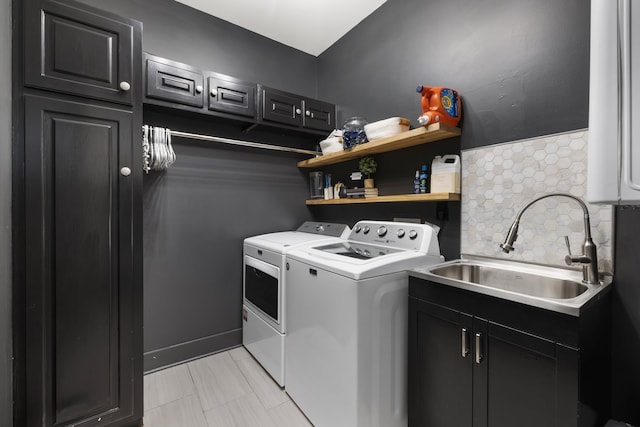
(228, 389)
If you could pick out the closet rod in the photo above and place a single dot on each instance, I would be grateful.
(239, 142)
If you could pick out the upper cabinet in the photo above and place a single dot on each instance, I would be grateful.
(173, 82)
(230, 95)
(81, 53)
(295, 110)
(176, 85)
(281, 107)
(319, 115)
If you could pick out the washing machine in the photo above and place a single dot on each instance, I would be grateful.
(264, 289)
(347, 323)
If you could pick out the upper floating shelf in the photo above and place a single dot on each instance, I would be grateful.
(421, 135)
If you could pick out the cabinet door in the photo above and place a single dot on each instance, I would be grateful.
(440, 366)
(281, 107)
(82, 51)
(229, 95)
(174, 82)
(528, 381)
(319, 115)
(83, 299)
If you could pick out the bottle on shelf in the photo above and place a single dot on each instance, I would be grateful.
(416, 183)
(423, 176)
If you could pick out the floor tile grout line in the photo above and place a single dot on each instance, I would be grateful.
(197, 394)
(268, 377)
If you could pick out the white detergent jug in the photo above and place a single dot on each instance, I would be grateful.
(445, 174)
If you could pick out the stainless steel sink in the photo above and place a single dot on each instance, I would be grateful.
(554, 288)
(513, 280)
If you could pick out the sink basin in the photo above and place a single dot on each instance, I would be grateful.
(513, 280)
(553, 288)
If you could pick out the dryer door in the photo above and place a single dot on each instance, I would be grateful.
(262, 289)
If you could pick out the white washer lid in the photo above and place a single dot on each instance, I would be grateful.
(285, 240)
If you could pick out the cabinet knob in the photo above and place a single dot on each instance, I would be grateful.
(125, 86)
(298, 111)
(125, 171)
(214, 92)
(307, 113)
(199, 89)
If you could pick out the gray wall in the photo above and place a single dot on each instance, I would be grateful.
(197, 213)
(5, 215)
(520, 66)
(626, 317)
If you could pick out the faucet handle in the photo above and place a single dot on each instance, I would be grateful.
(570, 259)
(566, 242)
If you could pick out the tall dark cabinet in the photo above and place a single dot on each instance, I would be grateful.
(79, 188)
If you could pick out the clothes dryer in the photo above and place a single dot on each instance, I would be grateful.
(265, 288)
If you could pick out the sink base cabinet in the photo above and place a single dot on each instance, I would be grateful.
(468, 365)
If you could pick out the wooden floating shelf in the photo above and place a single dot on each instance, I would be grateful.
(421, 135)
(429, 197)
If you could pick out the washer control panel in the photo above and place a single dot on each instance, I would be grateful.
(402, 235)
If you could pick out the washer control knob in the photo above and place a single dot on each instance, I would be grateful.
(382, 230)
(319, 227)
(413, 234)
(357, 229)
(400, 233)
(366, 229)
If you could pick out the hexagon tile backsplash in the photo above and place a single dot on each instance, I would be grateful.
(498, 180)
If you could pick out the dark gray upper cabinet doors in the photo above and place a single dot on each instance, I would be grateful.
(281, 107)
(230, 95)
(302, 112)
(319, 115)
(73, 50)
(174, 82)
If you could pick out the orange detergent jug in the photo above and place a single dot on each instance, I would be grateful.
(439, 105)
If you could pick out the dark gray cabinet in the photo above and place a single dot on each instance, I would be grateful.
(83, 339)
(70, 49)
(230, 95)
(295, 110)
(281, 107)
(482, 362)
(77, 222)
(174, 82)
(180, 86)
(175, 85)
(319, 115)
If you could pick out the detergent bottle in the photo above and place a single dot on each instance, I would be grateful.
(439, 105)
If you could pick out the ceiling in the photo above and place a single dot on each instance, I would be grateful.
(310, 26)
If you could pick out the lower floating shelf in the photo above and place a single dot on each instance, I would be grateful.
(429, 197)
